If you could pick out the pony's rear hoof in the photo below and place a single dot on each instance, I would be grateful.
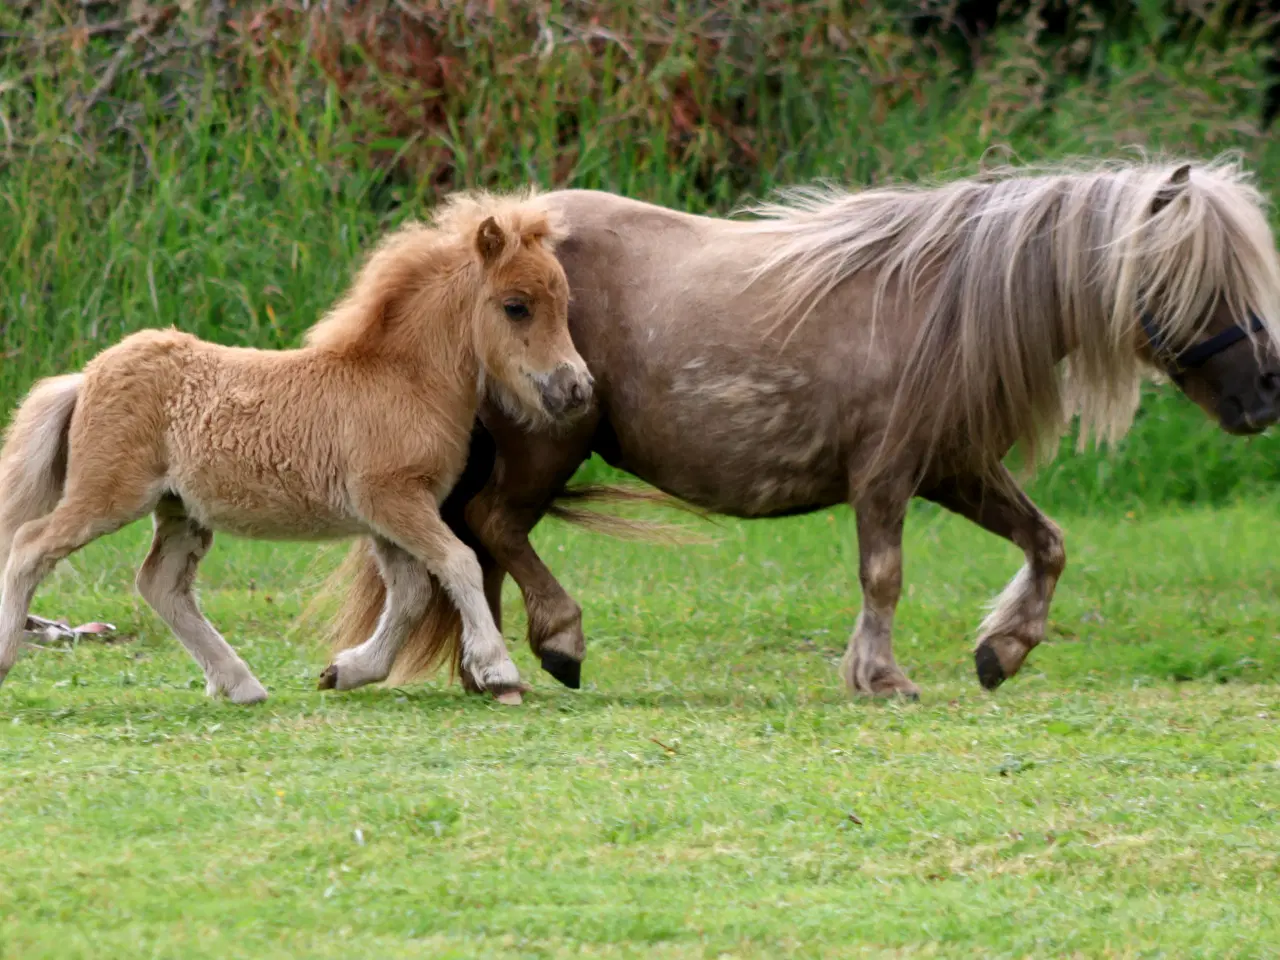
(990, 672)
(565, 669)
(329, 679)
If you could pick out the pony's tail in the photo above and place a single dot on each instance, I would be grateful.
(33, 462)
(568, 507)
(437, 640)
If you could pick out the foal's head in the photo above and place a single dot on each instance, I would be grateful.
(481, 281)
(1214, 310)
(521, 320)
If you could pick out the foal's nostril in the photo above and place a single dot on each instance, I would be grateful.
(1270, 383)
(576, 395)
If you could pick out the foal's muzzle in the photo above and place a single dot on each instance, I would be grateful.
(566, 391)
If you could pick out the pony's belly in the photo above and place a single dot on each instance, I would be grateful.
(741, 474)
(754, 442)
(267, 514)
(273, 527)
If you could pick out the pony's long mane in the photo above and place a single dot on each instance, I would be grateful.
(434, 259)
(1008, 267)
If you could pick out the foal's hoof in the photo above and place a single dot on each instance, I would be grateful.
(565, 669)
(511, 696)
(329, 679)
(990, 671)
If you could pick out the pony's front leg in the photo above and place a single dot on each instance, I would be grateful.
(407, 515)
(868, 666)
(555, 619)
(1016, 623)
(408, 592)
(530, 470)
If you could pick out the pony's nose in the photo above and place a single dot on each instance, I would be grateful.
(581, 389)
(567, 391)
(1269, 387)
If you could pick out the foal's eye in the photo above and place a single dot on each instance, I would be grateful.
(516, 310)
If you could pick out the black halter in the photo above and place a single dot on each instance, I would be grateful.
(1176, 364)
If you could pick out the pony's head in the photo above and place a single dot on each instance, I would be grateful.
(1217, 276)
(531, 368)
(480, 286)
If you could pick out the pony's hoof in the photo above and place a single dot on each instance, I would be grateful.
(990, 671)
(247, 692)
(329, 679)
(565, 669)
(511, 696)
(499, 676)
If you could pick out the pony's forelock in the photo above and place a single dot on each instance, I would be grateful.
(417, 254)
(522, 216)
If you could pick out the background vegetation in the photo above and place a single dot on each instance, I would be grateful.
(220, 165)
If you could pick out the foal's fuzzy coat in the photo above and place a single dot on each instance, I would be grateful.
(363, 431)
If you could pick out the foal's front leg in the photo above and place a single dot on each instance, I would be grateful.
(407, 515)
(868, 666)
(1017, 620)
(408, 591)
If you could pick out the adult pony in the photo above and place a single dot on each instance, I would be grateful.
(867, 348)
(309, 443)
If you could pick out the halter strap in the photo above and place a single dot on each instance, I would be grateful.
(1198, 353)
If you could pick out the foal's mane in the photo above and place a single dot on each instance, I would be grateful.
(433, 266)
(1006, 268)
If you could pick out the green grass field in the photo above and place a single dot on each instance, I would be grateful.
(694, 799)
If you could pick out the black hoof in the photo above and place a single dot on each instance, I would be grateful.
(329, 679)
(565, 669)
(990, 673)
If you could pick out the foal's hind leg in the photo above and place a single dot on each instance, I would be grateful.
(82, 516)
(1017, 620)
(868, 666)
(165, 581)
(408, 587)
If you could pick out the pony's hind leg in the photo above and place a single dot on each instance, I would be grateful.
(166, 580)
(408, 591)
(1016, 623)
(868, 666)
(38, 546)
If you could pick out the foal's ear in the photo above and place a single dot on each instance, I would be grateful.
(1172, 187)
(490, 240)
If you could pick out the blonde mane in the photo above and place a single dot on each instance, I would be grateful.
(409, 262)
(1015, 267)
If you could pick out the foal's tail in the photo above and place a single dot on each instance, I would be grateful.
(436, 641)
(33, 461)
